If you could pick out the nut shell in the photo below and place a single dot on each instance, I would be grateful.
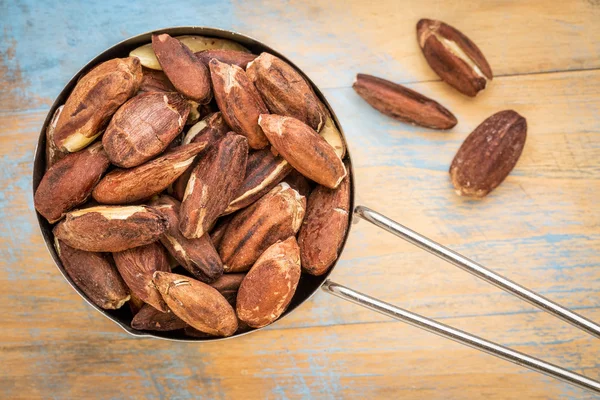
(137, 267)
(453, 56)
(150, 319)
(124, 186)
(198, 256)
(402, 103)
(304, 149)
(228, 286)
(285, 91)
(324, 227)
(144, 127)
(70, 182)
(211, 129)
(209, 190)
(95, 274)
(110, 228)
(53, 153)
(93, 101)
(196, 303)
(155, 81)
(269, 286)
(189, 76)
(232, 57)
(239, 101)
(263, 172)
(276, 216)
(488, 154)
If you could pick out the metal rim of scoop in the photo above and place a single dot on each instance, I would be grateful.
(309, 284)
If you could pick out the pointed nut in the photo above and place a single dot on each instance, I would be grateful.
(488, 154)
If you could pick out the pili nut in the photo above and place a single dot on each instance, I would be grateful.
(402, 103)
(304, 149)
(135, 303)
(233, 57)
(217, 232)
(196, 303)
(151, 319)
(269, 286)
(324, 227)
(263, 172)
(228, 286)
(94, 274)
(137, 266)
(53, 153)
(332, 135)
(276, 216)
(155, 81)
(198, 256)
(94, 100)
(239, 101)
(488, 154)
(143, 127)
(210, 130)
(189, 76)
(110, 228)
(285, 91)
(209, 190)
(195, 43)
(123, 186)
(453, 56)
(70, 182)
(298, 182)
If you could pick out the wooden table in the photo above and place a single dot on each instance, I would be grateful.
(540, 228)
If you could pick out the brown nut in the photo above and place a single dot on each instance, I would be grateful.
(210, 130)
(53, 153)
(155, 81)
(143, 127)
(269, 286)
(137, 267)
(70, 182)
(135, 303)
(94, 274)
(263, 172)
(453, 56)
(198, 256)
(402, 103)
(124, 186)
(276, 216)
(239, 101)
(110, 228)
(304, 149)
(196, 303)
(298, 182)
(324, 227)
(209, 191)
(228, 286)
(285, 91)
(189, 76)
(232, 57)
(488, 154)
(150, 319)
(96, 97)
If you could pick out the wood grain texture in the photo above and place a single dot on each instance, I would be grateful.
(541, 227)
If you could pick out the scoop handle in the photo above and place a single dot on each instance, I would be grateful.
(455, 334)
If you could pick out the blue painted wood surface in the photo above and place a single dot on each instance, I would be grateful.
(541, 227)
